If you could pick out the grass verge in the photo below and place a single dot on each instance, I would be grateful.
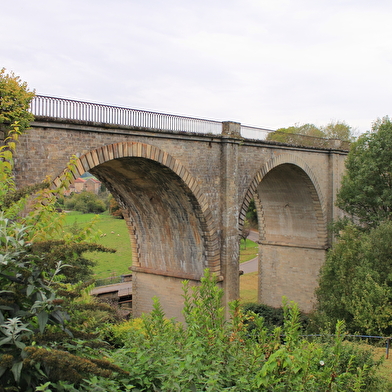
(248, 287)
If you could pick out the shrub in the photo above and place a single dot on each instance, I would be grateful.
(215, 354)
(115, 209)
(86, 202)
(273, 317)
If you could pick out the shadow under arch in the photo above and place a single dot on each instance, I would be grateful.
(292, 230)
(171, 226)
(288, 159)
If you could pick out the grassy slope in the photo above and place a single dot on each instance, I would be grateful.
(108, 264)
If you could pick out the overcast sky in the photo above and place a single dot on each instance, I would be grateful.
(267, 63)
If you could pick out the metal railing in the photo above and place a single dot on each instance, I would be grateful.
(69, 109)
(254, 132)
(87, 111)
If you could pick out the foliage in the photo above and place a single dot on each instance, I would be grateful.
(356, 283)
(287, 135)
(7, 184)
(28, 303)
(251, 214)
(15, 100)
(366, 191)
(338, 130)
(78, 268)
(88, 313)
(33, 307)
(30, 269)
(305, 132)
(114, 208)
(273, 317)
(215, 354)
(86, 202)
(60, 365)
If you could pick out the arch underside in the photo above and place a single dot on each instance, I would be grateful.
(164, 215)
(171, 226)
(291, 209)
(292, 232)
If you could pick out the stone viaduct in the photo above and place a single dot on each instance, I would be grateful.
(185, 186)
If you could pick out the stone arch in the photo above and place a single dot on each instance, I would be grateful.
(292, 230)
(152, 155)
(286, 159)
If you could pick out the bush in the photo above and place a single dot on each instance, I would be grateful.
(213, 354)
(86, 202)
(115, 209)
(273, 317)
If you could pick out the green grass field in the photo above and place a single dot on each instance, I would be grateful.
(117, 237)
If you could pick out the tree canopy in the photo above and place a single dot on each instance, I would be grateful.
(355, 282)
(15, 99)
(366, 191)
(333, 130)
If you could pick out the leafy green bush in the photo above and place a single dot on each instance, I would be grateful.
(273, 317)
(86, 202)
(355, 282)
(215, 354)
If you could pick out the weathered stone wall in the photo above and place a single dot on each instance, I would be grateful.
(168, 289)
(291, 272)
(185, 196)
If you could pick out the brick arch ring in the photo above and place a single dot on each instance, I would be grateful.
(109, 152)
(266, 168)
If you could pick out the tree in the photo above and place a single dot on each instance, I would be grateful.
(356, 283)
(304, 133)
(15, 100)
(366, 191)
(338, 130)
(285, 135)
(115, 209)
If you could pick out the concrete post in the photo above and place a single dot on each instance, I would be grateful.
(230, 211)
